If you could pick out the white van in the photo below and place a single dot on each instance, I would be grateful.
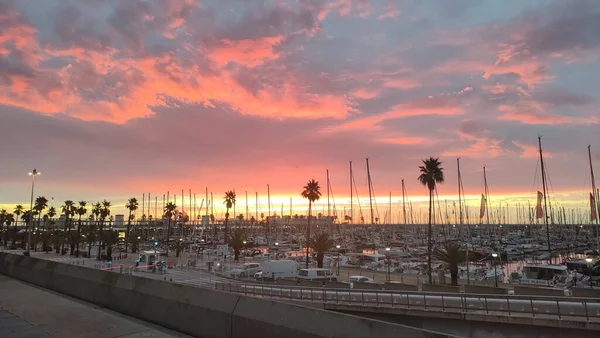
(317, 274)
(272, 270)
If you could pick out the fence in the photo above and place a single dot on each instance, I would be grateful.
(561, 308)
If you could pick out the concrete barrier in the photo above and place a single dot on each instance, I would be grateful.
(367, 286)
(538, 291)
(310, 283)
(395, 286)
(441, 288)
(336, 285)
(196, 311)
(582, 292)
(286, 282)
(485, 290)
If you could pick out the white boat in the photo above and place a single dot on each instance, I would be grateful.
(541, 274)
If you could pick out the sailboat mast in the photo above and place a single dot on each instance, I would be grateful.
(594, 194)
(403, 202)
(351, 203)
(460, 210)
(545, 200)
(370, 194)
(328, 205)
(487, 210)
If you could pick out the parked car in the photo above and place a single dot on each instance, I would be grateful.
(245, 270)
(360, 279)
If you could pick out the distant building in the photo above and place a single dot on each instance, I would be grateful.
(119, 220)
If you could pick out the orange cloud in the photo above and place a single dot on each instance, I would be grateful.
(402, 140)
(248, 52)
(543, 118)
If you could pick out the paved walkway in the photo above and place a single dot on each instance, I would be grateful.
(27, 311)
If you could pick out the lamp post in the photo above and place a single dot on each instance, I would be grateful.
(589, 261)
(245, 253)
(276, 249)
(494, 255)
(338, 259)
(387, 255)
(33, 175)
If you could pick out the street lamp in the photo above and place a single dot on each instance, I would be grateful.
(33, 175)
(494, 255)
(387, 255)
(589, 261)
(338, 259)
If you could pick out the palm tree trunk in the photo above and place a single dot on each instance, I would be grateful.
(225, 235)
(100, 238)
(429, 231)
(454, 275)
(308, 231)
(78, 235)
(127, 234)
(168, 235)
(14, 237)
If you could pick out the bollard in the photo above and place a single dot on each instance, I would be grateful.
(120, 268)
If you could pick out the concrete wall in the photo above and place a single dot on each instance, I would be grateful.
(582, 292)
(196, 311)
(441, 288)
(367, 286)
(336, 285)
(394, 286)
(538, 291)
(485, 290)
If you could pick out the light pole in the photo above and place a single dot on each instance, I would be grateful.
(338, 259)
(33, 175)
(245, 252)
(494, 255)
(387, 255)
(589, 261)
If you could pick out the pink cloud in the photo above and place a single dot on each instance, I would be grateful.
(529, 117)
(402, 140)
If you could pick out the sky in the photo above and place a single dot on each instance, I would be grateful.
(112, 99)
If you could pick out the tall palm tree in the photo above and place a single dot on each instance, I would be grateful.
(68, 209)
(19, 210)
(312, 192)
(320, 244)
(229, 201)
(27, 217)
(80, 211)
(453, 255)
(104, 212)
(170, 212)
(431, 174)
(39, 205)
(132, 205)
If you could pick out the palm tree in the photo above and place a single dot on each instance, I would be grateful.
(132, 205)
(431, 174)
(39, 205)
(453, 255)
(10, 219)
(321, 243)
(49, 215)
(104, 212)
(312, 192)
(19, 210)
(68, 209)
(170, 211)
(229, 202)
(3, 217)
(237, 242)
(80, 211)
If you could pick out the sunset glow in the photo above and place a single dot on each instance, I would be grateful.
(114, 99)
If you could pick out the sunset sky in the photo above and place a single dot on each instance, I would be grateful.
(112, 98)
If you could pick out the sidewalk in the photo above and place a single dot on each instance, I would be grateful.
(30, 312)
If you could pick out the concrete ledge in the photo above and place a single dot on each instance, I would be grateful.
(538, 291)
(441, 288)
(336, 285)
(395, 286)
(367, 286)
(196, 311)
(589, 293)
(485, 290)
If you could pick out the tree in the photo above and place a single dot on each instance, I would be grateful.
(312, 192)
(27, 217)
(321, 243)
(81, 210)
(453, 255)
(68, 209)
(431, 174)
(9, 220)
(3, 217)
(39, 205)
(47, 219)
(237, 243)
(19, 210)
(229, 201)
(104, 211)
(132, 205)
(111, 237)
(170, 211)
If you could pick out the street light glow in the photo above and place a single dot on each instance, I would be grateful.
(338, 246)
(494, 255)
(588, 260)
(387, 249)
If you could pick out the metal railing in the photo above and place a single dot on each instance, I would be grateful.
(561, 308)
